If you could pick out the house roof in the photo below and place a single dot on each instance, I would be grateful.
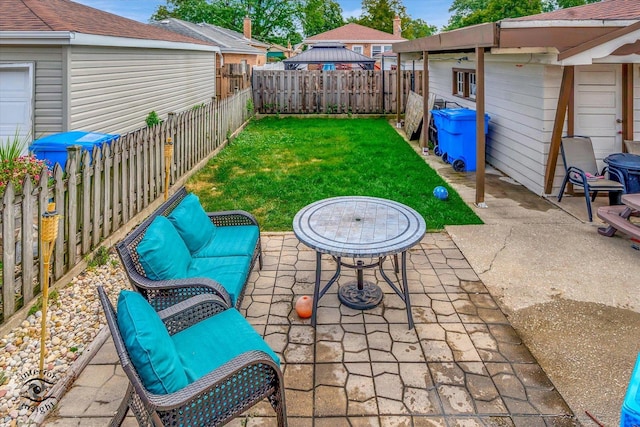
(325, 52)
(229, 41)
(604, 10)
(353, 33)
(64, 16)
(597, 32)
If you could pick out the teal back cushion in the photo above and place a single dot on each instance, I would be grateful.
(149, 345)
(162, 252)
(193, 223)
(209, 344)
(231, 240)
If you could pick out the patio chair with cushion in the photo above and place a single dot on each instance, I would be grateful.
(196, 363)
(633, 147)
(582, 170)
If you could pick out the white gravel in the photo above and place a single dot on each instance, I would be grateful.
(74, 318)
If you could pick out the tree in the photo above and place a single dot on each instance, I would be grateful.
(472, 12)
(319, 16)
(549, 5)
(416, 28)
(379, 14)
(271, 20)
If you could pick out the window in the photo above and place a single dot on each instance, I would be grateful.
(377, 49)
(357, 49)
(464, 83)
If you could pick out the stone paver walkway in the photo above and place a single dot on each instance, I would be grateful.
(462, 365)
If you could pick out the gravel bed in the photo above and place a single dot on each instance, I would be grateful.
(74, 318)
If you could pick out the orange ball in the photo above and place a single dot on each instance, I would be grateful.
(304, 306)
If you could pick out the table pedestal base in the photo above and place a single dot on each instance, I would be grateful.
(360, 298)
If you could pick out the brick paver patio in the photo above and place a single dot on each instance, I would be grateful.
(462, 365)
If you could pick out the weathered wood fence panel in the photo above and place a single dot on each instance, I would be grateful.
(100, 192)
(332, 92)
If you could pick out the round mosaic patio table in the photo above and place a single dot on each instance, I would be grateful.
(360, 227)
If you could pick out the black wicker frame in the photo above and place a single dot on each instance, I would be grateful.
(165, 293)
(214, 399)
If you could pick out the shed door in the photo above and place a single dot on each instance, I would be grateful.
(16, 106)
(598, 107)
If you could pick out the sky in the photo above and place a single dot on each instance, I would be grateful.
(434, 12)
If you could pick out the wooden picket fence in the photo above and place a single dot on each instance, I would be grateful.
(98, 194)
(332, 92)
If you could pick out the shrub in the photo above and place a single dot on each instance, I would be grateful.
(14, 167)
(153, 119)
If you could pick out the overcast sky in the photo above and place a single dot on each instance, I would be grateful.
(434, 12)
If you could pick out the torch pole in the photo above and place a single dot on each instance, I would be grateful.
(48, 235)
(168, 156)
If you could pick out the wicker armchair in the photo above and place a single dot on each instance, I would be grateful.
(165, 293)
(215, 398)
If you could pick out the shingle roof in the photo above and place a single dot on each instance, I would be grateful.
(354, 32)
(65, 15)
(229, 41)
(604, 10)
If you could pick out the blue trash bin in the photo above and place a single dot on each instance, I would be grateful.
(629, 167)
(457, 136)
(54, 147)
(630, 411)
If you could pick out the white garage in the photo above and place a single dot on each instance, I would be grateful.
(16, 101)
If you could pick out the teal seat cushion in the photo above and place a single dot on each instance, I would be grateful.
(211, 343)
(230, 271)
(193, 223)
(162, 252)
(149, 345)
(231, 240)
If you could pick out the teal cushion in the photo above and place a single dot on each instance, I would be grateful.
(149, 345)
(231, 240)
(230, 271)
(162, 252)
(193, 223)
(209, 344)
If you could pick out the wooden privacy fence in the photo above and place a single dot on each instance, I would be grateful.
(97, 194)
(332, 92)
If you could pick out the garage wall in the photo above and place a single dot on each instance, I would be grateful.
(112, 90)
(521, 98)
(48, 100)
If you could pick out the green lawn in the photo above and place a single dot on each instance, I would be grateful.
(278, 165)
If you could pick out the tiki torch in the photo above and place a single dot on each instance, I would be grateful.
(48, 234)
(168, 156)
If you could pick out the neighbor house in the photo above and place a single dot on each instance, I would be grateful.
(581, 62)
(358, 38)
(65, 66)
(235, 47)
(239, 52)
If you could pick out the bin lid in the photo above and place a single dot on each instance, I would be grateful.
(461, 114)
(623, 160)
(60, 141)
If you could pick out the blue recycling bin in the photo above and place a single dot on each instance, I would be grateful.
(457, 136)
(53, 148)
(629, 167)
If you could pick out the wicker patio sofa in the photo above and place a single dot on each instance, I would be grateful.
(180, 251)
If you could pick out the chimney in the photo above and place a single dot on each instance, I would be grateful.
(246, 28)
(397, 26)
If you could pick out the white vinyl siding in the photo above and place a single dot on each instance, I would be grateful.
(113, 89)
(48, 70)
(521, 101)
